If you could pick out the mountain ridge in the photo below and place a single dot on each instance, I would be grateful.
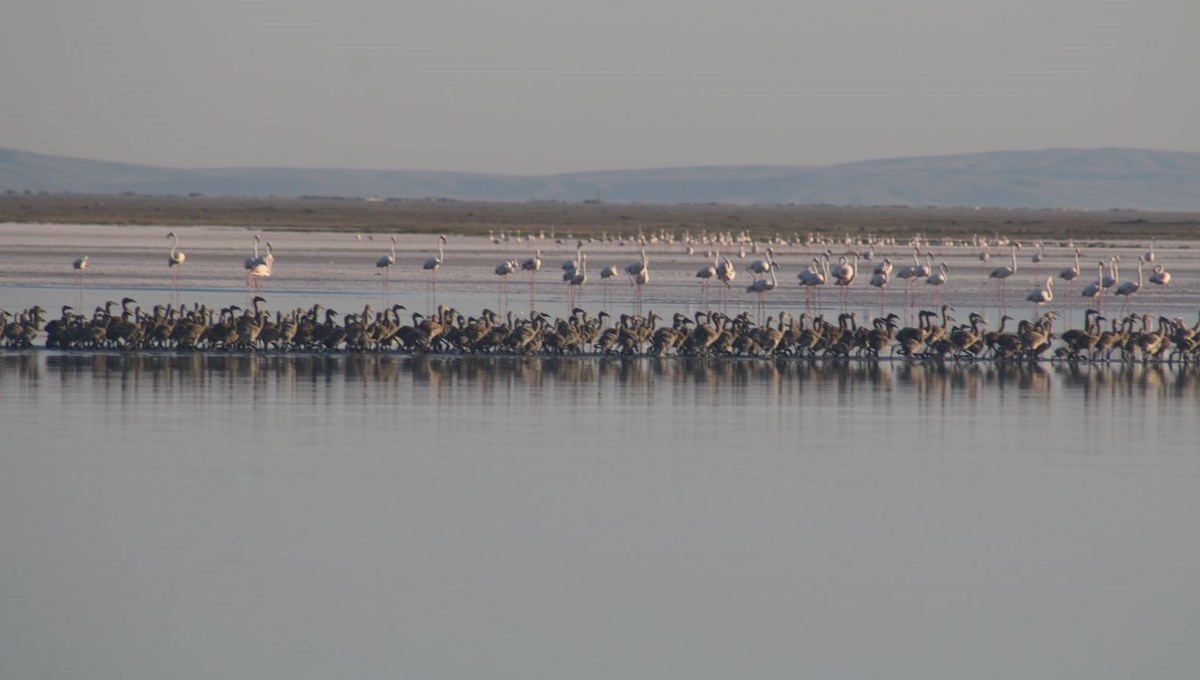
(1087, 179)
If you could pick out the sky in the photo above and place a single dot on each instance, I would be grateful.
(524, 87)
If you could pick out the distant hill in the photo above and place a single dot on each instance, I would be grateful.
(1094, 179)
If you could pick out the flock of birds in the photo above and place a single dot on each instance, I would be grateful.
(706, 333)
(712, 332)
(819, 272)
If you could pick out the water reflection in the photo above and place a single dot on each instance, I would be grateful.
(131, 372)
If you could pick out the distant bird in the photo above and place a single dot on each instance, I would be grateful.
(1114, 272)
(937, 280)
(1161, 278)
(1130, 288)
(432, 265)
(254, 259)
(1039, 255)
(79, 265)
(761, 287)
(263, 267)
(175, 259)
(385, 263)
(1095, 288)
(1003, 273)
(575, 285)
(639, 272)
(503, 270)
(1070, 273)
(707, 273)
(532, 265)
(1150, 253)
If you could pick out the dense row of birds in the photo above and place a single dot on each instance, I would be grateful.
(126, 326)
(820, 270)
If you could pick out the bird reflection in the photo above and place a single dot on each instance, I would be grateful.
(133, 371)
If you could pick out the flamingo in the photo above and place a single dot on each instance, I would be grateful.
(1039, 255)
(879, 279)
(937, 280)
(761, 286)
(984, 257)
(707, 273)
(79, 265)
(578, 279)
(726, 273)
(1093, 289)
(503, 270)
(1114, 272)
(1160, 277)
(1150, 253)
(532, 265)
(639, 273)
(263, 267)
(385, 263)
(761, 267)
(813, 277)
(1041, 296)
(254, 259)
(1002, 273)
(432, 265)
(1130, 288)
(844, 275)
(175, 259)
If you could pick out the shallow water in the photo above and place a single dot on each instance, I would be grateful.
(199, 516)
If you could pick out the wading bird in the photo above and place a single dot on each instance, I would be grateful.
(385, 263)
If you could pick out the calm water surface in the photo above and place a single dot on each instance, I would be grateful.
(188, 516)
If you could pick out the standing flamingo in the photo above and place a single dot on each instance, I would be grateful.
(879, 280)
(706, 274)
(175, 259)
(761, 286)
(639, 273)
(432, 265)
(253, 259)
(1130, 288)
(263, 267)
(79, 265)
(1160, 277)
(1003, 273)
(1095, 288)
(1150, 253)
(577, 282)
(844, 275)
(1041, 296)
(726, 273)
(532, 265)
(503, 270)
(385, 263)
(937, 280)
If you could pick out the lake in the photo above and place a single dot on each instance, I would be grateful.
(170, 515)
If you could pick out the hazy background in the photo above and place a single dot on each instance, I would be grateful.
(545, 86)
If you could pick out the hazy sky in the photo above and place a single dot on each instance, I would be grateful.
(542, 86)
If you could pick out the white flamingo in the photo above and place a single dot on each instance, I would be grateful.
(1043, 295)
(79, 265)
(432, 265)
(175, 259)
(263, 268)
(385, 263)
